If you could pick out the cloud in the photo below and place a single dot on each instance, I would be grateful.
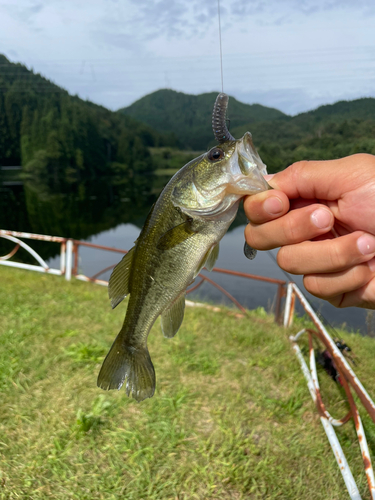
(307, 7)
(23, 11)
(187, 19)
(177, 19)
(12, 53)
(162, 17)
(119, 40)
(293, 101)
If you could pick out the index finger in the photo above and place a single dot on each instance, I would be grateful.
(326, 180)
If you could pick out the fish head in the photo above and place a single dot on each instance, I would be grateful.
(216, 181)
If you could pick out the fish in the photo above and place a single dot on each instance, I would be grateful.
(181, 235)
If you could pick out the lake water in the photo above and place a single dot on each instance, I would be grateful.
(111, 213)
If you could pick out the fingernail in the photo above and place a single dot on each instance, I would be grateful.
(321, 218)
(371, 265)
(366, 244)
(273, 205)
(268, 177)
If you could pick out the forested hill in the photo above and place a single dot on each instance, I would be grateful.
(330, 131)
(66, 139)
(189, 116)
(63, 137)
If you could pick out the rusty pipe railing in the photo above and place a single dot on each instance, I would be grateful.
(348, 378)
(280, 283)
(69, 264)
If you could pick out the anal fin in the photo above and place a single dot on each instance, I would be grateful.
(172, 317)
(118, 287)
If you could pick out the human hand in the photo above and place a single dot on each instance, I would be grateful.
(322, 215)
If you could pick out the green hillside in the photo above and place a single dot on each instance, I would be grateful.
(64, 138)
(328, 132)
(332, 131)
(189, 116)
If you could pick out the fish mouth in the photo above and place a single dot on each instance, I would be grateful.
(251, 165)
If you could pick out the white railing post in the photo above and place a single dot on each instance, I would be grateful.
(62, 257)
(288, 305)
(69, 260)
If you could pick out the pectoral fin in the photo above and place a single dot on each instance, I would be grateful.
(172, 317)
(175, 236)
(118, 287)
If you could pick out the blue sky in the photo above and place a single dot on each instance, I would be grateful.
(290, 54)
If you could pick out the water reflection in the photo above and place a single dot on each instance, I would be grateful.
(111, 212)
(77, 211)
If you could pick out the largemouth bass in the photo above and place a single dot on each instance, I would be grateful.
(181, 236)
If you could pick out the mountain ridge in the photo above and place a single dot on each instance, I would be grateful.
(189, 116)
(65, 138)
(323, 132)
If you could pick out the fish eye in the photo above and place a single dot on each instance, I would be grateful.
(215, 154)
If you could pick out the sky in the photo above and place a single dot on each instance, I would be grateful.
(294, 55)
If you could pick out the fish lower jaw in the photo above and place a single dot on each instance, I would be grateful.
(225, 209)
(247, 186)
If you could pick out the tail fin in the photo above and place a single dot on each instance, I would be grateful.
(127, 363)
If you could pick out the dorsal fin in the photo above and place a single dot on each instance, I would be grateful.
(118, 286)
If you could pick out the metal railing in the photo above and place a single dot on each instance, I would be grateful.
(347, 377)
(69, 265)
(65, 253)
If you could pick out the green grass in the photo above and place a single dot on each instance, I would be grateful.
(231, 417)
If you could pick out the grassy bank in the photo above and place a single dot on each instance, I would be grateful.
(231, 417)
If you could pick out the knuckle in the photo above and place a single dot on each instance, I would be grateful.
(337, 301)
(297, 167)
(290, 229)
(365, 158)
(286, 261)
(281, 257)
(249, 206)
(253, 237)
(337, 257)
(316, 286)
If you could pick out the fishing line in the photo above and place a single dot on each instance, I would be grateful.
(319, 314)
(221, 52)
